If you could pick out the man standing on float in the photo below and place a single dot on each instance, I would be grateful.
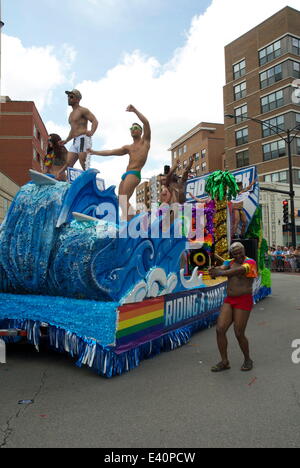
(79, 133)
(138, 153)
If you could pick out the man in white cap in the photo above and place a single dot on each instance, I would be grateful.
(79, 133)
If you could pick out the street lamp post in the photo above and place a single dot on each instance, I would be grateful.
(288, 141)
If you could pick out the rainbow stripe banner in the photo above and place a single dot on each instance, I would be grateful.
(139, 322)
(148, 320)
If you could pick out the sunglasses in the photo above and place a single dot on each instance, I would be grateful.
(135, 127)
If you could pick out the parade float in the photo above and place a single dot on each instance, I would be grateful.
(108, 292)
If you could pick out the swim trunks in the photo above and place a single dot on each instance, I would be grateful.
(81, 144)
(136, 173)
(244, 302)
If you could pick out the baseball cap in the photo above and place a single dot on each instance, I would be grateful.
(75, 92)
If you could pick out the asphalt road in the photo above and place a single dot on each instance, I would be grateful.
(171, 401)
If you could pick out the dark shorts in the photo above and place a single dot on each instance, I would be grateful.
(244, 302)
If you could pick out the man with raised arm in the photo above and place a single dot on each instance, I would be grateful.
(176, 184)
(240, 272)
(138, 153)
(79, 133)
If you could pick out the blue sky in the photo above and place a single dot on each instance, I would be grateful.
(166, 57)
(110, 27)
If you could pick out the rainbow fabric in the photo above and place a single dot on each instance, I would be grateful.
(140, 321)
(249, 264)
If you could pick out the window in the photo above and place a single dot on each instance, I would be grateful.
(277, 122)
(242, 158)
(174, 154)
(203, 166)
(297, 118)
(196, 156)
(240, 91)
(274, 150)
(269, 53)
(185, 163)
(241, 136)
(185, 149)
(281, 177)
(180, 152)
(239, 69)
(272, 101)
(240, 113)
(203, 153)
(296, 69)
(295, 46)
(271, 76)
(298, 145)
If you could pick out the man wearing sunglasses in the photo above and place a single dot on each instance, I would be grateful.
(138, 153)
(79, 133)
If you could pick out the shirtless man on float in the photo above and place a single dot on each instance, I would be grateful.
(138, 153)
(177, 185)
(79, 133)
(240, 272)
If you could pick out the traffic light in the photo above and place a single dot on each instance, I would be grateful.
(285, 208)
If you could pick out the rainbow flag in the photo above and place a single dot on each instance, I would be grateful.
(139, 323)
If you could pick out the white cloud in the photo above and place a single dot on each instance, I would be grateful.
(33, 73)
(177, 95)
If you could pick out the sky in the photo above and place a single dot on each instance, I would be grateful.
(166, 57)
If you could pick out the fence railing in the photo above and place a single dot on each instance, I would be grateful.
(284, 264)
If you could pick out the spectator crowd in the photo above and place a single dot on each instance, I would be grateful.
(284, 259)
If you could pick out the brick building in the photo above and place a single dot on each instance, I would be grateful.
(206, 143)
(143, 195)
(261, 67)
(23, 139)
(148, 193)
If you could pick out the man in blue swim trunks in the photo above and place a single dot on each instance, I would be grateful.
(138, 153)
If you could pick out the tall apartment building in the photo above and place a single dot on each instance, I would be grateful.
(261, 69)
(148, 193)
(143, 195)
(23, 139)
(206, 142)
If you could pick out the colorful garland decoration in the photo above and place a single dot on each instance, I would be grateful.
(220, 222)
(49, 158)
(221, 186)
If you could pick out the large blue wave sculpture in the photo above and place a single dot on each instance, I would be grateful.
(42, 251)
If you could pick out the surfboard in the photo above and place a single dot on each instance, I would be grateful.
(41, 179)
(83, 217)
